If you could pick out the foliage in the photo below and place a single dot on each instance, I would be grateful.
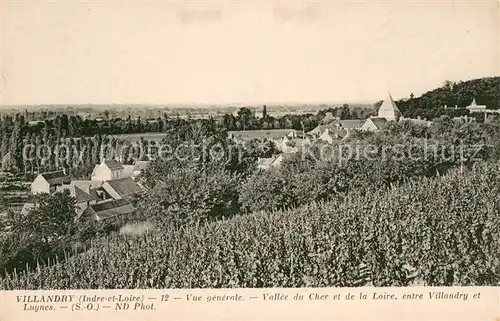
(402, 236)
(40, 233)
(189, 196)
(430, 104)
(325, 170)
(8, 163)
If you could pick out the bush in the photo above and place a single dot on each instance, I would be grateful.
(190, 196)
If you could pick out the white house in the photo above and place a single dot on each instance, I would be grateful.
(107, 170)
(48, 182)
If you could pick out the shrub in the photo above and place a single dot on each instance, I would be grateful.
(189, 196)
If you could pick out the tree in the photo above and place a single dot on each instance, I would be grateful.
(190, 196)
(244, 116)
(9, 163)
(43, 232)
(261, 147)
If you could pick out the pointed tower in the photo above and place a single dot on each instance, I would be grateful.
(473, 103)
(389, 110)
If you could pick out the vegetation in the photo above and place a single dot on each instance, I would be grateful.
(431, 104)
(404, 235)
(320, 219)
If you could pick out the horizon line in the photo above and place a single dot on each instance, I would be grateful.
(193, 104)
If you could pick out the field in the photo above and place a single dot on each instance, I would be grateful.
(13, 194)
(399, 237)
(133, 138)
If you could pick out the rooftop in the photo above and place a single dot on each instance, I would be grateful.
(124, 186)
(113, 164)
(56, 178)
(76, 192)
(112, 208)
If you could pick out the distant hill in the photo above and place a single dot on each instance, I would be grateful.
(460, 94)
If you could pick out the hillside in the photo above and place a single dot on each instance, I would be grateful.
(429, 105)
(414, 238)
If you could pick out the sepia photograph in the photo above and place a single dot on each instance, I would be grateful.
(265, 144)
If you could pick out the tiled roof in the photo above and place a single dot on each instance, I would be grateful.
(123, 186)
(76, 192)
(380, 123)
(94, 193)
(351, 123)
(87, 185)
(56, 178)
(112, 208)
(113, 165)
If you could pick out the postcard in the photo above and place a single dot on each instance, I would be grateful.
(249, 160)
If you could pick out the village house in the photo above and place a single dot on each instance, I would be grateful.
(48, 182)
(318, 130)
(110, 180)
(374, 124)
(133, 171)
(349, 124)
(332, 134)
(121, 187)
(107, 170)
(388, 112)
(108, 209)
(82, 199)
(93, 188)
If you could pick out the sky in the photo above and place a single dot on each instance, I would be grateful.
(220, 52)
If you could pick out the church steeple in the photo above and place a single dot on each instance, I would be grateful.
(389, 110)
